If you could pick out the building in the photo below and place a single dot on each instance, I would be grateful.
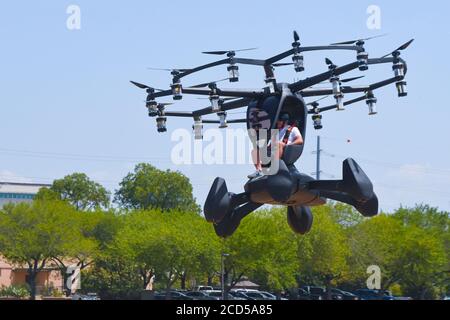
(13, 192)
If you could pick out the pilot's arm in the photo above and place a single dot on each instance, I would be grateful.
(298, 140)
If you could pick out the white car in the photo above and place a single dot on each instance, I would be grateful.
(89, 296)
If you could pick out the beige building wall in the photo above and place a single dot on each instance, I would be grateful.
(13, 275)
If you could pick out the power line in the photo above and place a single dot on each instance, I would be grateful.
(394, 165)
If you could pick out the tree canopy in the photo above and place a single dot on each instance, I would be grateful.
(150, 188)
(79, 191)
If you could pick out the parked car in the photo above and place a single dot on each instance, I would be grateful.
(173, 295)
(258, 296)
(88, 296)
(218, 294)
(200, 295)
(302, 294)
(242, 295)
(205, 288)
(345, 294)
(271, 296)
(368, 294)
(320, 293)
(403, 298)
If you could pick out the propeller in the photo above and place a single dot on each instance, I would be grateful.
(344, 80)
(223, 99)
(222, 52)
(330, 64)
(402, 47)
(351, 79)
(358, 40)
(202, 85)
(315, 104)
(170, 70)
(143, 86)
(162, 104)
(282, 64)
(296, 37)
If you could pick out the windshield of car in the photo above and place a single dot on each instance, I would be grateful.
(215, 294)
(317, 290)
(196, 294)
(367, 293)
(254, 295)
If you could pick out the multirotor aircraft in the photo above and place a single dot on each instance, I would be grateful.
(287, 187)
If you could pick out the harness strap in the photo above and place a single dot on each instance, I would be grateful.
(287, 135)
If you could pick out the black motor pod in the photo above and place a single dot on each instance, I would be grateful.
(218, 201)
(280, 185)
(355, 181)
(300, 219)
(368, 208)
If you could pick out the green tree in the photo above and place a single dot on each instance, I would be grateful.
(98, 230)
(425, 254)
(152, 243)
(79, 191)
(376, 241)
(262, 249)
(31, 235)
(324, 251)
(150, 188)
(422, 262)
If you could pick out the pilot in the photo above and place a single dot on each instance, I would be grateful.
(288, 135)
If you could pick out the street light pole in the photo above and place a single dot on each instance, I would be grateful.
(222, 273)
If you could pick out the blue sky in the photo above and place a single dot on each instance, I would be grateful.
(67, 106)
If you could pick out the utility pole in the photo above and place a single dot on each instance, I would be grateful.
(318, 154)
(318, 159)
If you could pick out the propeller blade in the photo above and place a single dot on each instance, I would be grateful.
(351, 79)
(328, 62)
(248, 49)
(282, 64)
(402, 47)
(201, 85)
(222, 52)
(342, 81)
(296, 37)
(355, 41)
(315, 102)
(169, 70)
(140, 85)
(405, 46)
(143, 86)
(160, 104)
(223, 99)
(215, 52)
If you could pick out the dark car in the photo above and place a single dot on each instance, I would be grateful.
(199, 295)
(258, 296)
(320, 293)
(173, 295)
(218, 294)
(368, 294)
(302, 294)
(345, 294)
(242, 295)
